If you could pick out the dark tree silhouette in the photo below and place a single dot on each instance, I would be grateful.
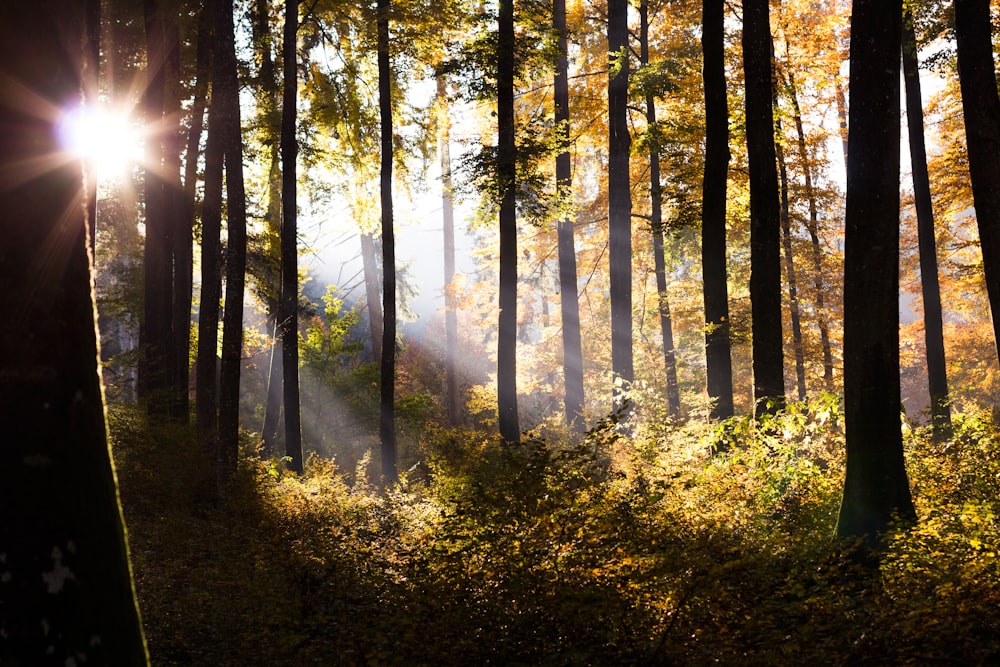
(765, 225)
(509, 424)
(876, 488)
(937, 374)
(718, 359)
(288, 314)
(619, 203)
(981, 108)
(452, 394)
(387, 366)
(569, 297)
(65, 585)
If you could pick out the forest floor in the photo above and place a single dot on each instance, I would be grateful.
(653, 549)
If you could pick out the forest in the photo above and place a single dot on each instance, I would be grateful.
(548, 332)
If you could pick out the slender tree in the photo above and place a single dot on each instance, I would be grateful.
(765, 225)
(387, 367)
(876, 488)
(452, 395)
(207, 366)
(288, 307)
(66, 593)
(981, 109)
(568, 289)
(718, 360)
(937, 374)
(226, 95)
(373, 298)
(657, 227)
(619, 203)
(509, 424)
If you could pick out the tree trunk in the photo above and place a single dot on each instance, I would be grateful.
(509, 424)
(981, 107)
(387, 374)
(786, 241)
(765, 225)
(452, 391)
(227, 97)
(66, 588)
(288, 313)
(267, 86)
(718, 360)
(619, 205)
(154, 330)
(876, 490)
(937, 374)
(369, 261)
(568, 289)
(206, 373)
(813, 228)
(656, 223)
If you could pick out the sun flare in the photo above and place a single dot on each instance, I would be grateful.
(110, 140)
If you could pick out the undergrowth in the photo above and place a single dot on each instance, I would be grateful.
(659, 547)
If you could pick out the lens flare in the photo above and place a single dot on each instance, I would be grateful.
(107, 140)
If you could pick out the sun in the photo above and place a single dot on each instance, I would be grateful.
(107, 139)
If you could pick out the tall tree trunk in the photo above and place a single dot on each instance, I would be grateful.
(373, 297)
(812, 227)
(718, 359)
(656, 223)
(619, 204)
(387, 374)
(154, 330)
(267, 86)
(66, 576)
(206, 368)
(288, 313)
(452, 393)
(568, 289)
(765, 225)
(937, 374)
(227, 96)
(509, 424)
(981, 108)
(786, 240)
(876, 489)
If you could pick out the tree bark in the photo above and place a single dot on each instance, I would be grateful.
(373, 297)
(206, 373)
(619, 205)
(981, 108)
(569, 299)
(509, 424)
(876, 489)
(718, 359)
(387, 367)
(656, 224)
(765, 226)
(288, 308)
(66, 586)
(227, 96)
(452, 391)
(937, 374)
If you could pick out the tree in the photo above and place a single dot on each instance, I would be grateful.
(718, 360)
(64, 574)
(452, 395)
(568, 296)
(937, 374)
(288, 313)
(656, 224)
(619, 203)
(765, 229)
(981, 108)
(509, 424)
(387, 366)
(226, 95)
(876, 489)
